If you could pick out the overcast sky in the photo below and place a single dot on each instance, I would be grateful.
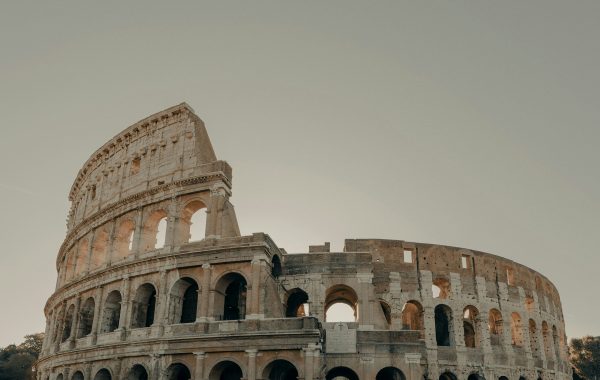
(470, 124)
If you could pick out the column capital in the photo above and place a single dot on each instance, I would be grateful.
(252, 352)
(200, 354)
(412, 358)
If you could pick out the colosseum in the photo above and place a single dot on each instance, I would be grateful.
(156, 282)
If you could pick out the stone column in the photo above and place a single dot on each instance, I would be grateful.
(163, 298)
(251, 364)
(87, 370)
(253, 307)
(156, 367)
(125, 316)
(414, 364)
(199, 370)
(172, 224)
(75, 324)
(137, 235)
(60, 323)
(308, 363)
(484, 336)
(365, 309)
(97, 310)
(203, 311)
(218, 196)
(110, 244)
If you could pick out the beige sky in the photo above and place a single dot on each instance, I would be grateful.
(473, 124)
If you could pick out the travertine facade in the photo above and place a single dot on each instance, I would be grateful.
(136, 301)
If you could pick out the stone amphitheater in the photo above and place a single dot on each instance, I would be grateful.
(143, 293)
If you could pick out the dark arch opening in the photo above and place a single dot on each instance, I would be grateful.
(443, 318)
(231, 296)
(144, 306)
(137, 372)
(183, 301)
(68, 324)
(112, 312)
(178, 371)
(503, 378)
(280, 370)
(343, 372)
(390, 373)
(448, 376)
(276, 266)
(297, 304)
(77, 376)
(475, 376)
(226, 370)
(86, 318)
(103, 374)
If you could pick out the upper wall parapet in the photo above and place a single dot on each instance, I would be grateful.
(168, 146)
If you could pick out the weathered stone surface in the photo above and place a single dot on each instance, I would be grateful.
(130, 304)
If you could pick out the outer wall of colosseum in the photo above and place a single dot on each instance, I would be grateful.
(142, 295)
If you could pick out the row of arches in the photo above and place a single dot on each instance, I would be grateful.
(229, 299)
(279, 369)
(104, 246)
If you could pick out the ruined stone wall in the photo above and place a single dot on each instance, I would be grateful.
(136, 302)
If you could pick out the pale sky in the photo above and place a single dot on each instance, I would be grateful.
(473, 124)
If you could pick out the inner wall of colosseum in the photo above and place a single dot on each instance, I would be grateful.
(155, 281)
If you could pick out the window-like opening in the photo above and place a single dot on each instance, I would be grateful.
(99, 249)
(441, 288)
(516, 328)
(390, 373)
(178, 372)
(77, 376)
(466, 262)
(534, 344)
(135, 166)
(68, 324)
(529, 304)
(341, 304)
(503, 378)
(495, 326)
(448, 376)
(137, 372)
(154, 231)
(144, 305)
(226, 370)
(60, 377)
(387, 312)
(276, 266)
(510, 276)
(230, 297)
(475, 376)
(124, 239)
(112, 312)
(297, 304)
(471, 327)
(443, 325)
(412, 316)
(86, 318)
(183, 301)
(341, 373)
(103, 374)
(192, 224)
(280, 370)
(408, 256)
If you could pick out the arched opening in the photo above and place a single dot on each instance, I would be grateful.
(516, 328)
(193, 222)
(412, 316)
(546, 337)
(77, 376)
(495, 327)
(503, 378)
(387, 311)
(86, 318)
(124, 239)
(475, 376)
(144, 305)
(183, 301)
(137, 372)
(280, 370)
(522, 377)
(103, 374)
(68, 323)
(534, 344)
(60, 376)
(178, 371)
(154, 231)
(112, 312)
(297, 304)
(226, 370)
(99, 249)
(276, 266)
(230, 297)
(341, 373)
(57, 330)
(82, 257)
(443, 325)
(390, 373)
(448, 376)
(341, 304)
(440, 288)
(471, 326)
